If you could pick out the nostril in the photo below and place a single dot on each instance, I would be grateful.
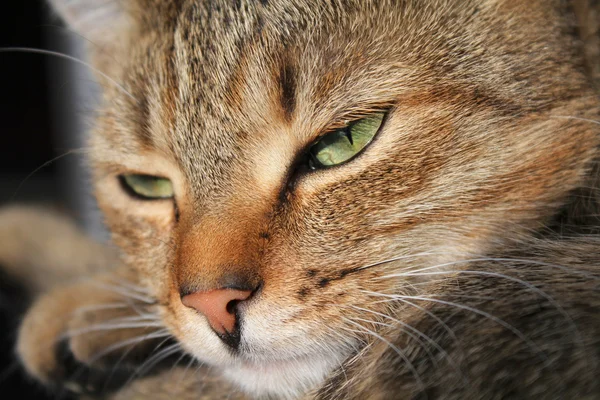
(219, 306)
(231, 306)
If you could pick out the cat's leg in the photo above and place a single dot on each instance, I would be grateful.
(41, 248)
(90, 335)
(92, 328)
(92, 338)
(89, 314)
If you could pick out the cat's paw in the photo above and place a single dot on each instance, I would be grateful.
(90, 336)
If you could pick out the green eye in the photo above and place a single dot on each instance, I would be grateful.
(147, 186)
(344, 144)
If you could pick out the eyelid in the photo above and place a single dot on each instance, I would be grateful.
(347, 119)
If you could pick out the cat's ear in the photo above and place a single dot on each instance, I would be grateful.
(97, 20)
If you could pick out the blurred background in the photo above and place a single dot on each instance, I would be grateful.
(45, 109)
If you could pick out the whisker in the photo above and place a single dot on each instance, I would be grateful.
(108, 327)
(137, 318)
(70, 58)
(346, 341)
(137, 372)
(44, 165)
(135, 340)
(527, 285)
(116, 346)
(176, 363)
(575, 118)
(499, 321)
(478, 259)
(543, 264)
(124, 292)
(404, 324)
(73, 32)
(379, 263)
(410, 366)
(155, 359)
(187, 368)
(346, 380)
(435, 317)
(412, 286)
(100, 307)
(412, 336)
(341, 363)
(140, 309)
(421, 334)
(126, 284)
(155, 335)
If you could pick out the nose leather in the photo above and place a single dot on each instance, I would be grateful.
(216, 306)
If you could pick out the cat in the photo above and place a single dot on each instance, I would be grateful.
(333, 199)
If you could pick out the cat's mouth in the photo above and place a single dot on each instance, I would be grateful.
(266, 354)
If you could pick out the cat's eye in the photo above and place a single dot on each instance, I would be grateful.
(147, 187)
(344, 144)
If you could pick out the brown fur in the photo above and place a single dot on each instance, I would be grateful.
(489, 139)
(552, 351)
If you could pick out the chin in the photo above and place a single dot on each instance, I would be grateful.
(285, 378)
(267, 365)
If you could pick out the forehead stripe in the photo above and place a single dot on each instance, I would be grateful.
(287, 82)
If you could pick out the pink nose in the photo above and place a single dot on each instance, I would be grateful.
(217, 306)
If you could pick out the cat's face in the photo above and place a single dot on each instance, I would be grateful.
(225, 99)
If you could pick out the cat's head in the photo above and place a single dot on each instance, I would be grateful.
(312, 153)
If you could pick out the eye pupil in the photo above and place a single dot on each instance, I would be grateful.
(312, 164)
(349, 136)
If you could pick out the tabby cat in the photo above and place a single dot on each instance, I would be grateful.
(341, 199)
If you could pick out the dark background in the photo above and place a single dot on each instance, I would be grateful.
(33, 101)
(27, 136)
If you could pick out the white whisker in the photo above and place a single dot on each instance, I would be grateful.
(410, 366)
(527, 285)
(67, 57)
(155, 335)
(123, 291)
(130, 285)
(100, 307)
(576, 118)
(388, 261)
(412, 336)
(499, 321)
(155, 359)
(109, 327)
(187, 368)
(132, 341)
(421, 334)
(435, 317)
